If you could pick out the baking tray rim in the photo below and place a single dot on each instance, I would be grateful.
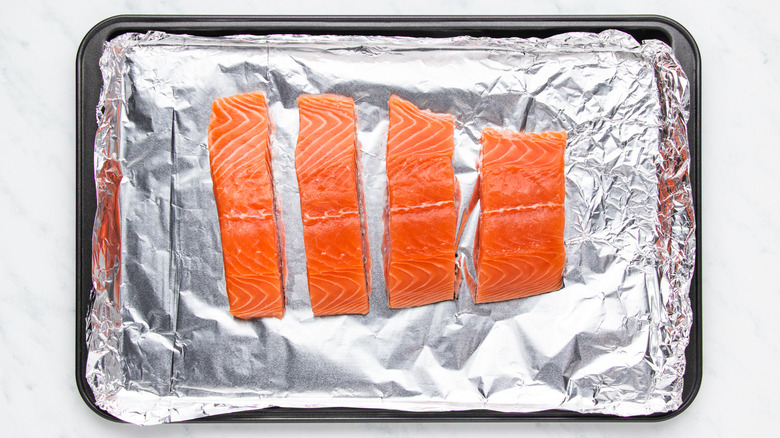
(677, 36)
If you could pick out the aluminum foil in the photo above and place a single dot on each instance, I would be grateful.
(162, 345)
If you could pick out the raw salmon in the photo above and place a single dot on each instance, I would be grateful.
(422, 217)
(239, 155)
(326, 164)
(520, 235)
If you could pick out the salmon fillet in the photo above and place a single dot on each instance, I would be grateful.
(520, 234)
(326, 165)
(239, 155)
(422, 217)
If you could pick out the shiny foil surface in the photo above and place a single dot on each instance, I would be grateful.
(162, 346)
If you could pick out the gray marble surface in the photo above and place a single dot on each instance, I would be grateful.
(739, 43)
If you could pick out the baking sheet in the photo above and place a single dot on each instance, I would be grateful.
(427, 368)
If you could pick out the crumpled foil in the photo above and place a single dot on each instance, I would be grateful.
(162, 345)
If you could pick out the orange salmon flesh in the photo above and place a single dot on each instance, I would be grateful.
(239, 156)
(421, 225)
(327, 171)
(520, 234)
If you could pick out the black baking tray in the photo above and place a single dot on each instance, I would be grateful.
(89, 83)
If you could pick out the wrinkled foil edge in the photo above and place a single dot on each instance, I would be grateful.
(103, 334)
(677, 242)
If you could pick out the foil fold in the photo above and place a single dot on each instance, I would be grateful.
(162, 346)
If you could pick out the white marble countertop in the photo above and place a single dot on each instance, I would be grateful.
(739, 47)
